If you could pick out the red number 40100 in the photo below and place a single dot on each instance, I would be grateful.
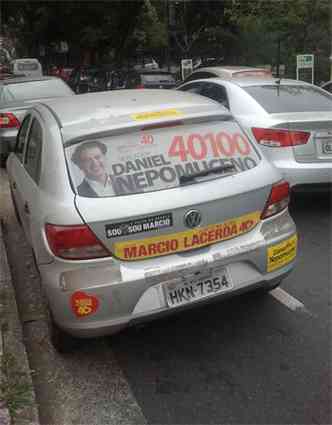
(197, 146)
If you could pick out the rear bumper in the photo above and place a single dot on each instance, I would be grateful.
(124, 293)
(113, 326)
(297, 173)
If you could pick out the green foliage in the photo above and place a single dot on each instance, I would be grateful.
(198, 26)
(300, 26)
(242, 31)
(150, 32)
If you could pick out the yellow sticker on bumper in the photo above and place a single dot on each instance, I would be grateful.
(155, 115)
(184, 241)
(281, 254)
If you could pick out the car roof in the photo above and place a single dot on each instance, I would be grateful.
(91, 113)
(254, 81)
(152, 71)
(19, 60)
(229, 69)
(24, 79)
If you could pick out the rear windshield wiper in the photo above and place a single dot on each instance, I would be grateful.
(216, 170)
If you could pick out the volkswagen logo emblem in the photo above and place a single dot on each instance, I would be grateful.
(192, 218)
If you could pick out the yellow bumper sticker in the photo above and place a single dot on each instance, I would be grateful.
(155, 115)
(184, 241)
(281, 254)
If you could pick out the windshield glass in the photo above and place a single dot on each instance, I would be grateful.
(37, 89)
(155, 159)
(290, 98)
(253, 73)
(27, 66)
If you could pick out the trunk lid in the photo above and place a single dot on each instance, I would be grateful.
(319, 125)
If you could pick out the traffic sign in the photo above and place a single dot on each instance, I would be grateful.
(305, 61)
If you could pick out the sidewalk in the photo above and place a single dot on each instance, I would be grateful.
(17, 398)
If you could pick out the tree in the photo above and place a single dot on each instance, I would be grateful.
(299, 26)
(150, 33)
(198, 27)
(91, 27)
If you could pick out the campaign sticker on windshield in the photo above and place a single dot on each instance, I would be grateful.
(184, 241)
(281, 254)
(156, 115)
(159, 158)
(146, 224)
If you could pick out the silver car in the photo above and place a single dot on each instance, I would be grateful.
(140, 203)
(291, 121)
(228, 72)
(16, 96)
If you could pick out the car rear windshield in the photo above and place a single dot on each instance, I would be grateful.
(156, 159)
(28, 66)
(252, 73)
(290, 98)
(37, 89)
(156, 78)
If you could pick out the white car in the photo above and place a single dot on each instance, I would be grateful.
(290, 120)
(141, 203)
(16, 96)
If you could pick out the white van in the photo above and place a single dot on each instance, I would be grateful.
(29, 67)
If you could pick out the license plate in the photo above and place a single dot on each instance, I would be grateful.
(327, 148)
(195, 287)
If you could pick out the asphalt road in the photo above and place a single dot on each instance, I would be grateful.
(248, 360)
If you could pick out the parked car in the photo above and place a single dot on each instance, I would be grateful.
(86, 79)
(290, 120)
(141, 203)
(227, 72)
(16, 96)
(147, 79)
(107, 77)
(80, 78)
(327, 86)
(61, 72)
(30, 67)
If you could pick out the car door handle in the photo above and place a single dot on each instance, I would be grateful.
(26, 208)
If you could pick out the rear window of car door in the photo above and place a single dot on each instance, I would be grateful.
(215, 92)
(199, 75)
(328, 87)
(21, 137)
(32, 160)
(192, 88)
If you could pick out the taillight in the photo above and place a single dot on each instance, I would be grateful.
(74, 242)
(8, 120)
(276, 138)
(140, 86)
(278, 199)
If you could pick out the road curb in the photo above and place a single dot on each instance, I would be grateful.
(17, 397)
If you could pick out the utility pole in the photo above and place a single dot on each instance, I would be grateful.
(278, 60)
(167, 5)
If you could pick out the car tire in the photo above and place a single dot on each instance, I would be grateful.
(62, 342)
(3, 159)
